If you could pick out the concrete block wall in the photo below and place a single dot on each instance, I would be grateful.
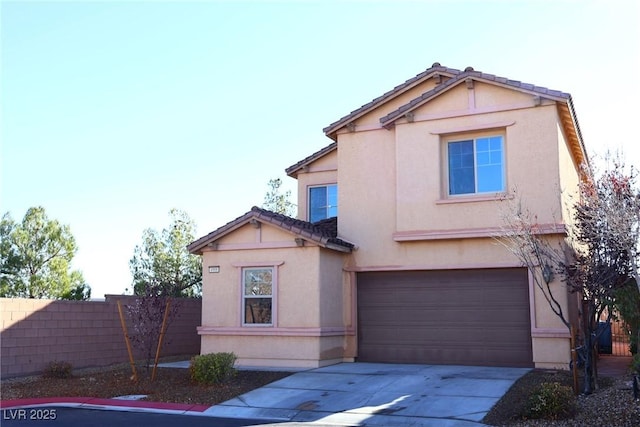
(83, 333)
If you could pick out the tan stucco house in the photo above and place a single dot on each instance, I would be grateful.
(393, 256)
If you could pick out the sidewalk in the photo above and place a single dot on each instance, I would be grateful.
(614, 366)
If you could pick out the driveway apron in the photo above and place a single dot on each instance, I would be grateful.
(378, 394)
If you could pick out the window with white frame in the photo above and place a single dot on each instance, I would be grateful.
(476, 165)
(257, 295)
(323, 202)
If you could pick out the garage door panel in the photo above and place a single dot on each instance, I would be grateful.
(478, 317)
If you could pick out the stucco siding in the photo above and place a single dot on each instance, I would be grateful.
(456, 99)
(331, 289)
(366, 189)
(372, 118)
(551, 353)
(278, 351)
(405, 191)
(569, 175)
(422, 201)
(296, 302)
(487, 95)
(244, 234)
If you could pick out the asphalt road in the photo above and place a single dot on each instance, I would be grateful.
(75, 417)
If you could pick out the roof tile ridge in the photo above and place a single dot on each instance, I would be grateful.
(435, 67)
(470, 72)
(311, 157)
(423, 96)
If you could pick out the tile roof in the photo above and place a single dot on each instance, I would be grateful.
(324, 233)
(293, 169)
(564, 101)
(469, 73)
(436, 68)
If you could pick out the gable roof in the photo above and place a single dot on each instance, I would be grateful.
(435, 70)
(292, 170)
(323, 233)
(564, 102)
(470, 74)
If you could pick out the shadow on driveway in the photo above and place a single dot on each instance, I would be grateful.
(378, 394)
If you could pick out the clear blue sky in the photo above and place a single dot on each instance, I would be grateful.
(115, 112)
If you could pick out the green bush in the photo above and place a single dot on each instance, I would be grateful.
(212, 368)
(551, 400)
(57, 369)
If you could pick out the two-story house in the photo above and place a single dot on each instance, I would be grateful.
(393, 256)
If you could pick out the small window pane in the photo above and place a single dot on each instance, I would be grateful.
(496, 157)
(490, 173)
(484, 158)
(482, 144)
(257, 282)
(317, 203)
(461, 181)
(332, 201)
(257, 310)
(490, 179)
(461, 173)
(496, 143)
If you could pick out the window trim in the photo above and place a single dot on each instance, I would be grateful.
(326, 186)
(274, 291)
(474, 136)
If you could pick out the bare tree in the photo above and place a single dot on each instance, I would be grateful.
(524, 237)
(148, 314)
(596, 260)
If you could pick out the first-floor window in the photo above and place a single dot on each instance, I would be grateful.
(476, 165)
(257, 298)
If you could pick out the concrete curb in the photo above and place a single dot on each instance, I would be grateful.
(107, 404)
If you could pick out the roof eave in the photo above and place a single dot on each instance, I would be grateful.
(197, 247)
(331, 131)
(389, 120)
(572, 130)
(293, 170)
(336, 247)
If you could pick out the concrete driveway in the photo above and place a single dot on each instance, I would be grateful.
(377, 394)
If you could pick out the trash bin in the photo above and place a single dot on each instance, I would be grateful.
(605, 343)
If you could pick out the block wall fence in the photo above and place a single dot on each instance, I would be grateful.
(84, 333)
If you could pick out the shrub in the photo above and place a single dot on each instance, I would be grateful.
(212, 368)
(551, 400)
(57, 369)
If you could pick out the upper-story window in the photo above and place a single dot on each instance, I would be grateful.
(476, 165)
(323, 202)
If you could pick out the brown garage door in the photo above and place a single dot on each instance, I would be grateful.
(469, 317)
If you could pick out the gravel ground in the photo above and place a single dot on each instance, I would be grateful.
(611, 405)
